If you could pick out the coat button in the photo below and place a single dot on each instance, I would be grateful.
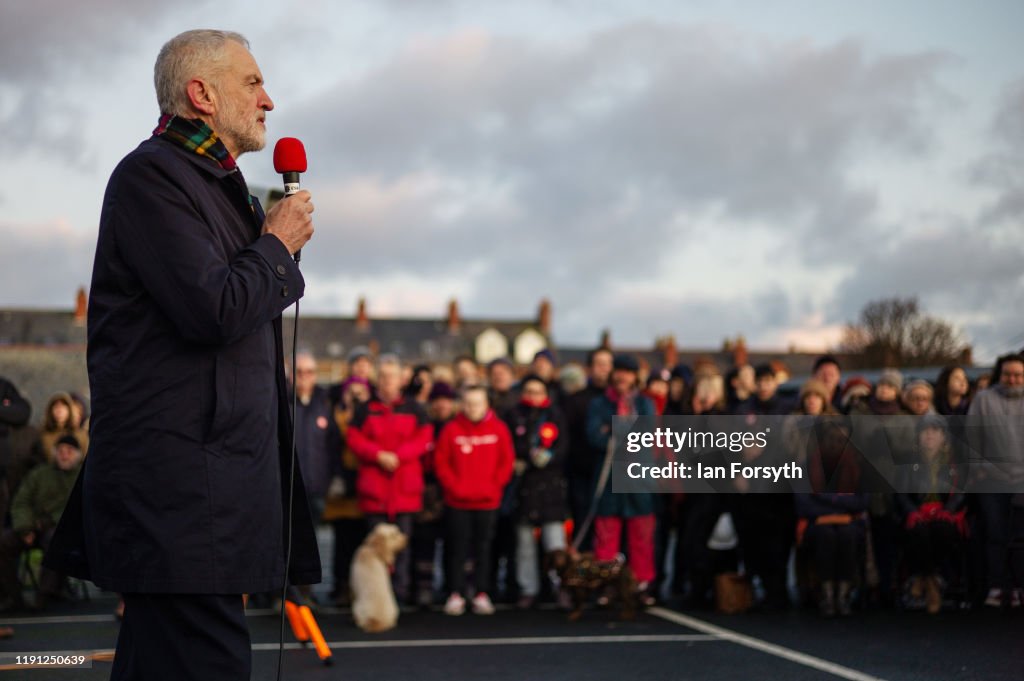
(281, 270)
(284, 291)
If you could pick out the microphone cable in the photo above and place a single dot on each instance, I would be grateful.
(291, 492)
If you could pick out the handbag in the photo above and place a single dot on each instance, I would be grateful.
(733, 593)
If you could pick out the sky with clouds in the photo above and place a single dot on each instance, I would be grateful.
(704, 169)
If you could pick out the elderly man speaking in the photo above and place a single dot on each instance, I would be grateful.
(181, 502)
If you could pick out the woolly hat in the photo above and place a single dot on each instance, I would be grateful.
(814, 387)
(853, 389)
(441, 390)
(891, 377)
(659, 375)
(545, 354)
(68, 440)
(351, 380)
(684, 372)
(572, 377)
(625, 362)
(932, 421)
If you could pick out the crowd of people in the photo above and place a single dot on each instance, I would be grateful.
(38, 469)
(489, 469)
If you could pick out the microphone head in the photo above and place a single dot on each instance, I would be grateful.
(289, 156)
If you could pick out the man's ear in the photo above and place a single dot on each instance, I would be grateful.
(202, 96)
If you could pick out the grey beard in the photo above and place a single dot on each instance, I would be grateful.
(1014, 393)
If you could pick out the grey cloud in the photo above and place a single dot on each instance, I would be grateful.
(1002, 169)
(47, 49)
(575, 169)
(605, 148)
(56, 39)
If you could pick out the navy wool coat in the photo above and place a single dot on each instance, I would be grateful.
(599, 430)
(184, 488)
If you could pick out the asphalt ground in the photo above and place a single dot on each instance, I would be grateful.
(662, 643)
(666, 642)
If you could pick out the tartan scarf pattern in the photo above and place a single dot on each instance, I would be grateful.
(197, 136)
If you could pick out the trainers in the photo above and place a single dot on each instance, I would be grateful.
(455, 605)
(644, 595)
(482, 604)
(994, 598)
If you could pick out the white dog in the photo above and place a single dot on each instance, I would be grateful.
(374, 606)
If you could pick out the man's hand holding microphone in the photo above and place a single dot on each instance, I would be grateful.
(291, 220)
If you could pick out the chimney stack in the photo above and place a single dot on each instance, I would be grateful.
(544, 317)
(739, 353)
(362, 319)
(454, 322)
(81, 306)
(670, 353)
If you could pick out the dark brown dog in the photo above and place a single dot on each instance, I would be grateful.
(583, 576)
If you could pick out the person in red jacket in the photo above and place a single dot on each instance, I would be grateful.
(473, 461)
(390, 436)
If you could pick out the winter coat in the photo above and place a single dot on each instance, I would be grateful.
(923, 483)
(541, 489)
(473, 462)
(581, 458)
(14, 413)
(886, 439)
(318, 443)
(401, 427)
(995, 431)
(184, 489)
(599, 429)
(41, 497)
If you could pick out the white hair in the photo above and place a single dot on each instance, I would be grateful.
(186, 56)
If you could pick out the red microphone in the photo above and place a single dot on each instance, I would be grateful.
(290, 160)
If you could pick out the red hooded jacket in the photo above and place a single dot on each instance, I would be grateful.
(473, 462)
(403, 428)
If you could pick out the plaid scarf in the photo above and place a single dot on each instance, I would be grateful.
(197, 136)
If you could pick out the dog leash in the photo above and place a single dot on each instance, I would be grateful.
(602, 482)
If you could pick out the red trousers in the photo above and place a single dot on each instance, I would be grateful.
(639, 541)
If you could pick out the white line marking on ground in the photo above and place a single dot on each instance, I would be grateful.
(763, 646)
(510, 641)
(447, 642)
(70, 619)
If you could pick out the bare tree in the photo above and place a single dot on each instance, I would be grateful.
(895, 332)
